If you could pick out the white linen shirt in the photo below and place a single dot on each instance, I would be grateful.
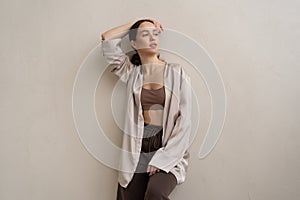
(173, 155)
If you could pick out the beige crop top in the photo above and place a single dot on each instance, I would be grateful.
(153, 99)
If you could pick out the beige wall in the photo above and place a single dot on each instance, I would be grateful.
(255, 43)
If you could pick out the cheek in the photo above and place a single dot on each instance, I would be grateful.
(142, 42)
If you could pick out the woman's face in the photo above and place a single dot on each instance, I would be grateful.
(147, 38)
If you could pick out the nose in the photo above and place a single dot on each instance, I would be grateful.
(152, 37)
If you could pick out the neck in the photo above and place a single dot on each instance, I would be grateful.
(150, 59)
(153, 67)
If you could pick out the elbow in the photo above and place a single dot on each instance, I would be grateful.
(103, 36)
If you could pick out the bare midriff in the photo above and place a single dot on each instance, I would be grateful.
(154, 117)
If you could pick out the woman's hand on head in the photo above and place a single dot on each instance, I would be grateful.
(157, 24)
(152, 170)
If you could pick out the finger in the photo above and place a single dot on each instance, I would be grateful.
(151, 173)
(157, 24)
(161, 27)
(150, 170)
(153, 170)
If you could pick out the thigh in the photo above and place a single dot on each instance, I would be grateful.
(160, 186)
(135, 189)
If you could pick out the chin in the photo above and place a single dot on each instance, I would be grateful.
(150, 51)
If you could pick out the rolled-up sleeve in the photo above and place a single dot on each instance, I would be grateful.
(177, 146)
(119, 62)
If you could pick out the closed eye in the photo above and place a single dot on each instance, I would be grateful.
(155, 32)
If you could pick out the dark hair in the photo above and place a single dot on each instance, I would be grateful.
(135, 59)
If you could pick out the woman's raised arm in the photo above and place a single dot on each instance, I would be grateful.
(117, 32)
(122, 30)
(119, 62)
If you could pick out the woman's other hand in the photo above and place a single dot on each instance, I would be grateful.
(152, 170)
(157, 24)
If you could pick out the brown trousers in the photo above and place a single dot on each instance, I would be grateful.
(142, 186)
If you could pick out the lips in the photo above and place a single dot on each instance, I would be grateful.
(153, 45)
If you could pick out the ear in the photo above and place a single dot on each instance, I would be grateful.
(133, 44)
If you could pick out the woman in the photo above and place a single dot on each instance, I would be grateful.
(158, 118)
